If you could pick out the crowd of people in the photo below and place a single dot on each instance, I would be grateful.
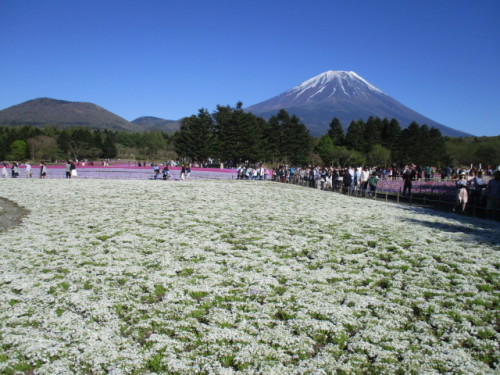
(28, 169)
(15, 171)
(185, 173)
(475, 186)
(474, 189)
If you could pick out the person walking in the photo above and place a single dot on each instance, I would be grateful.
(166, 172)
(4, 170)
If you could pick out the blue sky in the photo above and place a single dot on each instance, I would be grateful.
(170, 58)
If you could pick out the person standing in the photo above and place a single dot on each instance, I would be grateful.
(28, 169)
(428, 173)
(72, 168)
(183, 171)
(462, 194)
(156, 171)
(347, 181)
(15, 170)
(355, 180)
(43, 170)
(477, 188)
(4, 170)
(407, 178)
(68, 169)
(493, 196)
(372, 184)
(363, 179)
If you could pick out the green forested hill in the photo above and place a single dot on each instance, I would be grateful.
(474, 150)
(63, 114)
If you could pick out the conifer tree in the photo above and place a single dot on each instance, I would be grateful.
(109, 150)
(391, 131)
(355, 136)
(292, 138)
(195, 139)
(336, 132)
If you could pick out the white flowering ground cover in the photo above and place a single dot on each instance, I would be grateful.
(225, 277)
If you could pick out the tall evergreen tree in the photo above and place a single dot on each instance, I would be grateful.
(298, 141)
(373, 133)
(196, 137)
(391, 131)
(336, 132)
(238, 134)
(274, 139)
(436, 147)
(109, 150)
(63, 141)
(407, 149)
(355, 136)
(292, 138)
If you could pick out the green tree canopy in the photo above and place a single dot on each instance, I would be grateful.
(324, 148)
(378, 156)
(18, 150)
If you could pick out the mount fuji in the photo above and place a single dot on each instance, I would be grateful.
(344, 95)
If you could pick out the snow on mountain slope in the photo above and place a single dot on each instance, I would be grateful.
(345, 95)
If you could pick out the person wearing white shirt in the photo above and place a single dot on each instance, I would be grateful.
(462, 194)
(363, 178)
(28, 169)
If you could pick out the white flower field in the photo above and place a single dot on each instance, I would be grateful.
(226, 277)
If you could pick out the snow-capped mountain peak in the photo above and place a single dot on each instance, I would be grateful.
(329, 84)
(345, 95)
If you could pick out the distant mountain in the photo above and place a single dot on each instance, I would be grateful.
(344, 95)
(63, 114)
(155, 123)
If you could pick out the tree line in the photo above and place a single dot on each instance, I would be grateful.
(233, 136)
(50, 143)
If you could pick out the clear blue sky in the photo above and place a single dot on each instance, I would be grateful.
(170, 58)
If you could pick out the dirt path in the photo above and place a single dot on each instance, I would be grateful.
(11, 214)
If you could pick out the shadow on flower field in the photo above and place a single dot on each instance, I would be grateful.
(11, 214)
(471, 229)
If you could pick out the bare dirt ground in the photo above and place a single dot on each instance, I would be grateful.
(11, 214)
